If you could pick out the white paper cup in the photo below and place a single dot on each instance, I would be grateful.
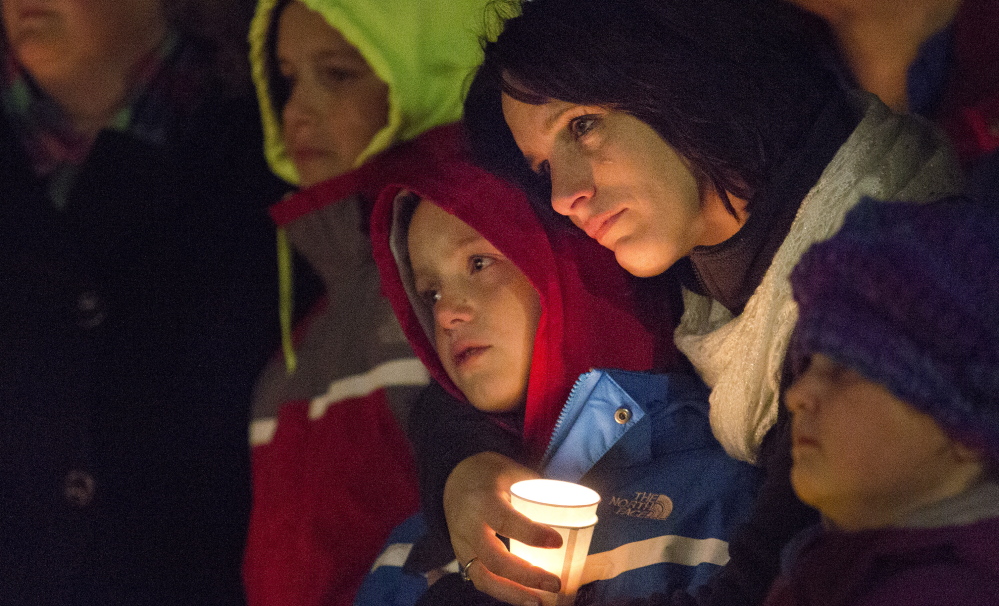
(570, 509)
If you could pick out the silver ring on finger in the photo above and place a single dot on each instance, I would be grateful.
(464, 569)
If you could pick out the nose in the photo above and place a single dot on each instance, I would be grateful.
(803, 394)
(572, 186)
(298, 109)
(452, 309)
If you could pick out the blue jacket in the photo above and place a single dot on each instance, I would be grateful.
(670, 496)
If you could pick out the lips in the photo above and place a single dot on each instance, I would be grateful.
(803, 441)
(302, 155)
(466, 352)
(597, 227)
(29, 19)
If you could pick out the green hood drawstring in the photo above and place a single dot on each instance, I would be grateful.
(286, 302)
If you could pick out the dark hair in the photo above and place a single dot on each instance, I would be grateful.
(731, 85)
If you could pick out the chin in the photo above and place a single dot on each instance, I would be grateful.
(490, 402)
(639, 265)
(809, 489)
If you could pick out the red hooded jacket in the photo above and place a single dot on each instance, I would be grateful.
(589, 310)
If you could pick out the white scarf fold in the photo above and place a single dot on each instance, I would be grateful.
(888, 157)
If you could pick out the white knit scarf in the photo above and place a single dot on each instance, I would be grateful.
(888, 157)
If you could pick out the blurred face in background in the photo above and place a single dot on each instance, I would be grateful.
(60, 40)
(862, 456)
(336, 103)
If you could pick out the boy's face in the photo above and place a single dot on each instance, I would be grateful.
(336, 104)
(485, 310)
(863, 457)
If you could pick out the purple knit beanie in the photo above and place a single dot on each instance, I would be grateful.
(908, 295)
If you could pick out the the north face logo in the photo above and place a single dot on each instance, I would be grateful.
(645, 505)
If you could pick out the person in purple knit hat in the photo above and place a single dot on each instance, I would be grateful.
(895, 410)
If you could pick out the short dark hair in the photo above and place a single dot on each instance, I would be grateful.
(731, 85)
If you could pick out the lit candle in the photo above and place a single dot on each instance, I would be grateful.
(570, 509)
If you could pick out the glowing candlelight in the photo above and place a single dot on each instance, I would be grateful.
(570, 509)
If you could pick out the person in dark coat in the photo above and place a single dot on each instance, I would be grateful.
(138, 287)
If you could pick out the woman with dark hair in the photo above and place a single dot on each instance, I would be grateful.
(706, 136)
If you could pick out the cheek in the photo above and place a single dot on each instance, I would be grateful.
(850, 440)
(93, 33)
(512, 314)
(354, 118)
(655, 241)
(440, 345)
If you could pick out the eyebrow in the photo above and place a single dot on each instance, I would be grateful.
(349, 53)
(471, 239)
(551, 120)
(458, 248)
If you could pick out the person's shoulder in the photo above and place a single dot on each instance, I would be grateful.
(952, 565)
(930, 584)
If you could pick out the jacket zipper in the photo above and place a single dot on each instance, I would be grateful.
(565, 410)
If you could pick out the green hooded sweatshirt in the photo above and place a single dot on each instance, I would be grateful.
(425, 50)
(319, 516)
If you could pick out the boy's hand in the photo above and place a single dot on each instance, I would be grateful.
(477, 507)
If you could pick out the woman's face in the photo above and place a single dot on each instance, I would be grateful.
(58, 40)
(336, 103)
(618, 181)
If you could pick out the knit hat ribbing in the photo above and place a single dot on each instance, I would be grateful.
(908, 295)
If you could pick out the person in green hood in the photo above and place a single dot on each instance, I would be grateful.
(332, 102)
(339, 84)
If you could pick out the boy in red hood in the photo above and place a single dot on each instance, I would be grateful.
(511, 318)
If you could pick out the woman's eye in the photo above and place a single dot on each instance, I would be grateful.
(582, 125)
(479, 263)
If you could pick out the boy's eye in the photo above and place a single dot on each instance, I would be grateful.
(430, 297)
(479, 263)
(287, 74)
(582, 125)
(338, 75)
(831, 370)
